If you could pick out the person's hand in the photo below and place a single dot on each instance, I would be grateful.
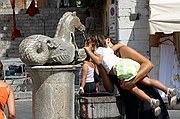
(87, 48)
(81, 90)
(127, 85)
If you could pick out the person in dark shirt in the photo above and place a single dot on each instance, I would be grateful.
(89, 23)
(134, 107)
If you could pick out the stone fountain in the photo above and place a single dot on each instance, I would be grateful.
(52, 64)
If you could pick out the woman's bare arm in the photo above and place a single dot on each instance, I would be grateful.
(83, 81)
(84, 75)
(11, 104)
(146, 65)
(97, 59)
(105, 80)
(117, 46)
(96, 69)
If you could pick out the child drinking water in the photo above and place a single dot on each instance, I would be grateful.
(126, 69)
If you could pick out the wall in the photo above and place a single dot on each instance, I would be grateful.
(134, 33)
(131, 31)
(44, 23)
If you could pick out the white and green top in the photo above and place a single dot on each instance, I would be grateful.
(125, 69)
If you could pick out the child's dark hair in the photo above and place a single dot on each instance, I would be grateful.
(91, 40)
(112, 41)
(87, 57)
(99, 40)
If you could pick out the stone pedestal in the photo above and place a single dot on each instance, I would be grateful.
(53, 91)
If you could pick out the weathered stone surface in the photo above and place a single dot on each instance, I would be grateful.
(100, 106)
(53, 91)
(61, 49)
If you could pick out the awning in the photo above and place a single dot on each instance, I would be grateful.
(164, 16)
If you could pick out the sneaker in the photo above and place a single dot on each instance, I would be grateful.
(156, 111)
(155, 107)
(172, 96)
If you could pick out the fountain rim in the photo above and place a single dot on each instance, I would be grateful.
(54, 67)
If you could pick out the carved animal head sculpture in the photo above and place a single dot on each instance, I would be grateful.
(62, 49)
(67, 24)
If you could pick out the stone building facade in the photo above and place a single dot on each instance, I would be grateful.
(43, 23)
(132, 23)
(132, 20)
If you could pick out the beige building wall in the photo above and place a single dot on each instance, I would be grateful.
(132, 23)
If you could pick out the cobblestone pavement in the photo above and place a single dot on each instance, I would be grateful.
(24, 110)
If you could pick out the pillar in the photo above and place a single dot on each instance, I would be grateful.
(53, 91)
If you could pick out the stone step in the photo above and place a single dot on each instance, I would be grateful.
(21, 87)
(19, 81)
(23, 95)
(14, 81)
(23, 84)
